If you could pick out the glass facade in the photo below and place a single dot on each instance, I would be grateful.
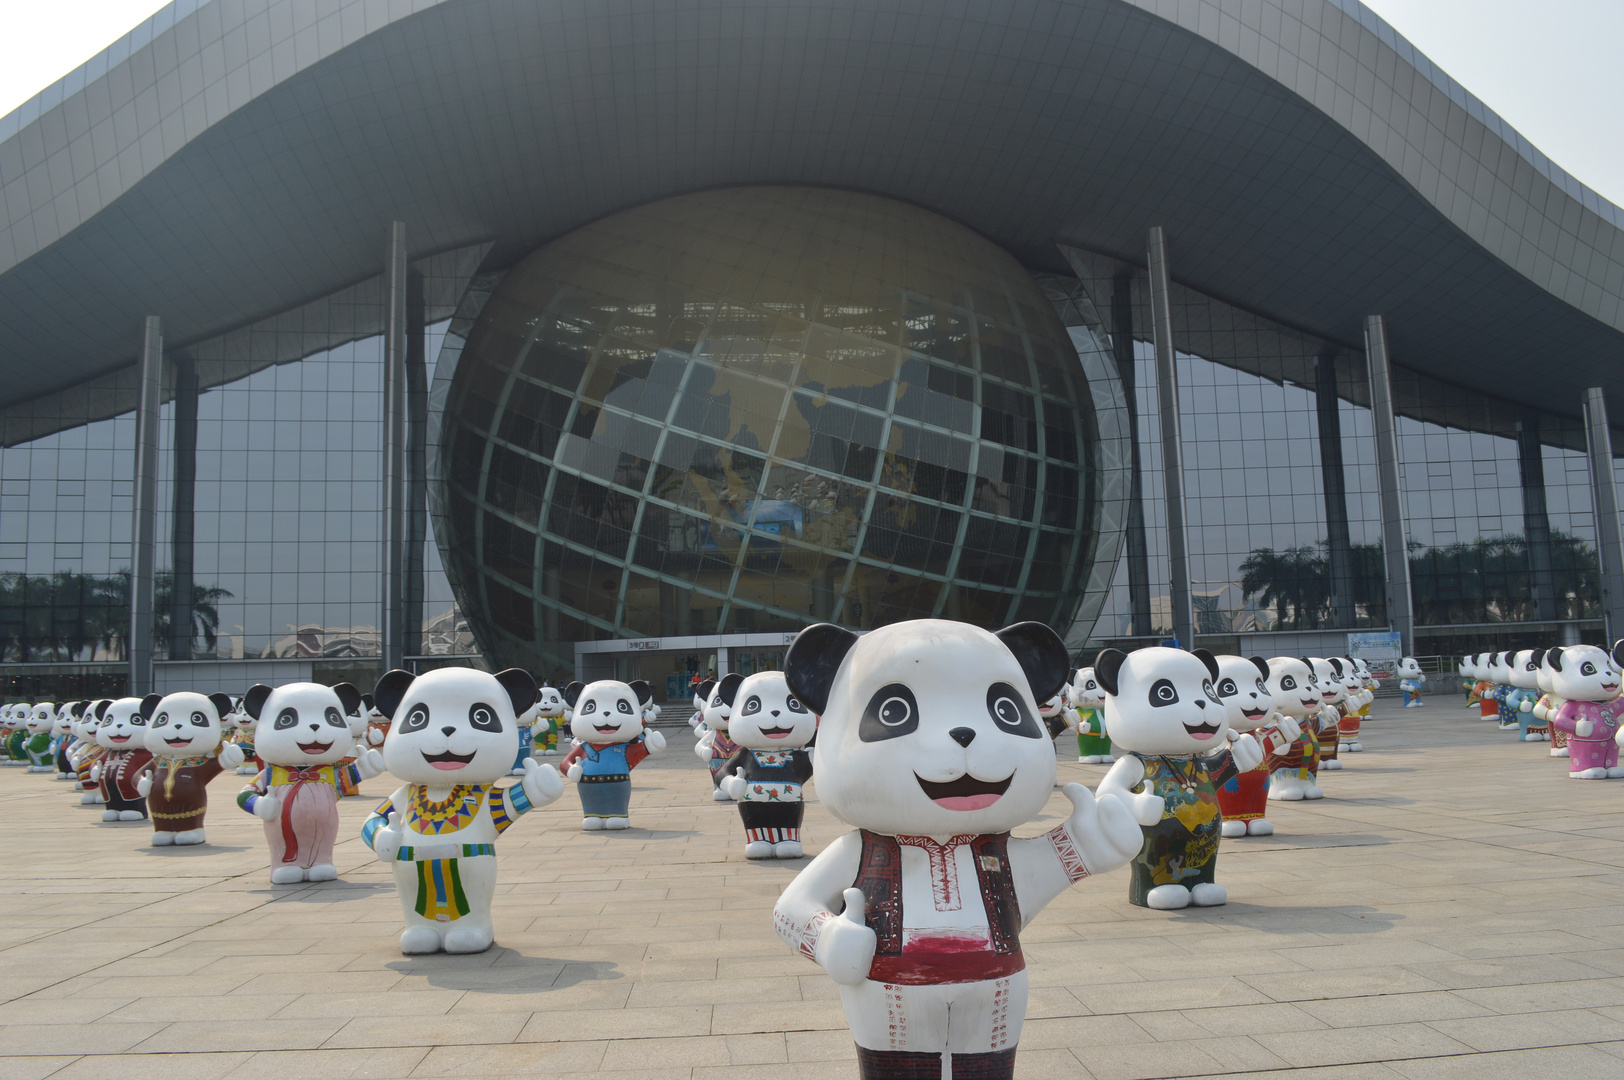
(751, 409)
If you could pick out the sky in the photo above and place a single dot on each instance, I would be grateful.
(1552, 68)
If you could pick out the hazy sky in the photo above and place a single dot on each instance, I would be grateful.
(1553, 69)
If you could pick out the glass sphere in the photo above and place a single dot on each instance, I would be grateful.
(751, 409)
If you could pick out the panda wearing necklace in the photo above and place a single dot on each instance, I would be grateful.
(610, 742)
(457, 733)
(714, 747)
(929, 744)
(771, 728)
(1162, 709)
(184, 737)
(1243, 688)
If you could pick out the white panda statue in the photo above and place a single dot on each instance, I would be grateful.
(1244, 689)
(185, 739)
(714, 747)
(930, 746)
(772, 729)
(610, 741)
(454, 733)
(1291, 684)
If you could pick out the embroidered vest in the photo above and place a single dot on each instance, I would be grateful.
(879, 875)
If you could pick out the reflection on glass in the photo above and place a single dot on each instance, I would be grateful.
(752, 409)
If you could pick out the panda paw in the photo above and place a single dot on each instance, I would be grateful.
(143, 786)
(1104, 829)
(654, 741)
(266, 807)
(541, 785)
(845, 945)
(230, 755)
(733, 786)
(1288, 727)
(1247, 753)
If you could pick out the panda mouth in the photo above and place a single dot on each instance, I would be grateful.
(1309, 703)
(606, 729)
(177, 742)
(964, 792)
(778, 732)
(1201, 731)
(1252, 714)
(314, 747)
(118, 738)
(448, 760)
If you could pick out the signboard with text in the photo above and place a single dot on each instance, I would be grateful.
(1382, 650)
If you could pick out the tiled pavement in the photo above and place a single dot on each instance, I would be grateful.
(1451, 909)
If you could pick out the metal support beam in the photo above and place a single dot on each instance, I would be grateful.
(1338, 545)
(1167, 400)
(417, 477)
(392, 628)
(1536, 518)
(1395, 539)
(1137, 548)
(143, 530)
(1604, 497)
(182, 522)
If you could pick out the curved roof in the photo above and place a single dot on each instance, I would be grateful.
(228, 161)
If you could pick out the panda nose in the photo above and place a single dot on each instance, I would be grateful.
(314, 727)
(1200, 704)
(775, 712)
(448, 731)
(962, 735)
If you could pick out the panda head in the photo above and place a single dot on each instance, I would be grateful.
(930, 727)
(1468, 667)
(86, 723)
(1291, 684)
(1409, 668)
(62, 723)
(702, 696)
(1542, 663)
(1525, 670)
(41, 718)
(237, 719)
(1584, 673)
(453, 725)
(123, 727)
(1327, 678)
(607, 711)
(184, 724)
(766, 716)
(1086, 691)
(302, 724)
(1163, 701)
(718, 705)
(1352, 678)
(549, 703)
(1243, 687)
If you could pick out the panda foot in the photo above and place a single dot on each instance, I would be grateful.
(549, 753)
(1354, 748)
(419, 939)
(88, 799)
(287, 875)
(718, 795)
(758, 849)
(516, 772)
(246, 770)
(1615, 771)
(592, 824)
(468, 939)
(1598, 773)
(1168, 897)
(131, 815)
(1208, 894)
(1331, 766)
(322, 872)
(1312, 791)
(64, 776)
(1285, 794)
(1232, 828)
(617, 823)
(163, 839)
(1260, 827)
(189, 837)
(787, 849)
(1559, 751)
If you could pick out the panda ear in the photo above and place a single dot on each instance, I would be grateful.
(1106, 666)
(1309, 664)
(1618, 652)
(348, 696)
(1537, 657)
(705, 688)
(572, 693)
(102, 706)
(391, 691)
(149, 704)
(1262, 666)
(729, 686)
(222, 703)
(813, 660)
(1208, 659)
(644, 692)
(366, 702)
(78, 709)
(1336, 666)
(520, 686)
(254, 700)
(1041, 654)
(1554, 658)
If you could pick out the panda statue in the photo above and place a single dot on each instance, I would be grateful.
(122, 736)
(183, 736)
(549, 719)
(1588, 680)
(1356, 682)
(89, 754)
(1291, 771)
(771, 728)
(1243, 688)
(37, 728)
(303, 746)
(1172, 729)
(1549, 704)
(63, 737)
(610, 741)
(527, 736)
(455, 732)
(1411, 682)
(714, 747)
(1088, 699)
(930, 746)
(1327, 733)
(1524, 693)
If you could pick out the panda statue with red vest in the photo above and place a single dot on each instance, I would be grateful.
(931, 746)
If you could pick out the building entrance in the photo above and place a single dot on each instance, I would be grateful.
(675, 666)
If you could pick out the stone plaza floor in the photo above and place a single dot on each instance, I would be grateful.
(1451, 909)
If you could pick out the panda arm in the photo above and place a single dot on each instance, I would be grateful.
(254, 790)
(636, 751)
(803, 766)
(735, 764)
(1563, 719)
(816, 895)
(380, 817)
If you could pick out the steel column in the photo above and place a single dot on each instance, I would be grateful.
(392, 630)
(1604, 497)
(182, 520)
(143, 530)
(1536, 517)
(1338, 545)
(1137, 549)
(1167, 399)
(1395, 540)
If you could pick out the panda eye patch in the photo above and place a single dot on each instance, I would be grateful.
(335, 718)
(1227, 688)
(752, 705)
(892, 712)
(483, 717)
(624, 706)
(1162, 692)
(138, 720)
(286, 719)
(199, 720)
(1004, 705)
(416, 719)
(1262, 687)
(794, 705)
(1287, 682)
(1212, 695)
(1587, 668)
(589, 708)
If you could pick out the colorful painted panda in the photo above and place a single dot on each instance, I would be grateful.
(610, 741)
(771, 728)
